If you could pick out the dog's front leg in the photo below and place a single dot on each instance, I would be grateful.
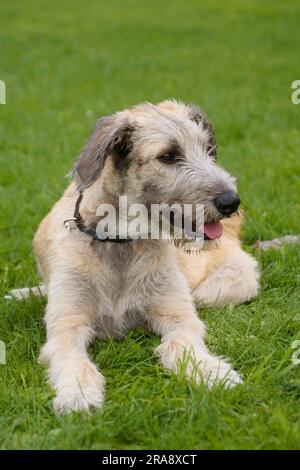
(76, 380)
(174, 318)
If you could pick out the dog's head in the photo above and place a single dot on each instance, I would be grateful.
(156, 154)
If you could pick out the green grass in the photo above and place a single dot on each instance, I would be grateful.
(65, 63)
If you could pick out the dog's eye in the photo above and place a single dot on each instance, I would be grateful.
(169, 158)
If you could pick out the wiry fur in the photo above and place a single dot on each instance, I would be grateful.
(98, 289)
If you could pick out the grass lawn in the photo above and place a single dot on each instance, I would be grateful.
(67, 62)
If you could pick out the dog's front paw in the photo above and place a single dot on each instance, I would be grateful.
(213, 370)
(79, 389)
(197, 363)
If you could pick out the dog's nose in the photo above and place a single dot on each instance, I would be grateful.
(227, 202)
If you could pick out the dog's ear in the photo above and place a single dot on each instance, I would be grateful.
(111, 134)
(199, 117)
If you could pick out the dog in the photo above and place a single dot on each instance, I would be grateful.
(162, 153)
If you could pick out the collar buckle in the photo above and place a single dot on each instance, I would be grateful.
(71, 224)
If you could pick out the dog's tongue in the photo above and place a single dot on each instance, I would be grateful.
(213, 231)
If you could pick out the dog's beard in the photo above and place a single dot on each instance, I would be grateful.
(194, 247)
(197, 238)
